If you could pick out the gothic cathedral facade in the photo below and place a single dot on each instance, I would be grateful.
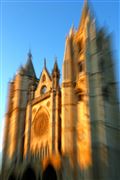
(67, 132)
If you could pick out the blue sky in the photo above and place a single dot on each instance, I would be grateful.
(42, 26)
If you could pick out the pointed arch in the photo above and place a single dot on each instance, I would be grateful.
(49, 173)
(41, 122)
(12, 177)
(45, 79)
(41, 109)
(29, 174)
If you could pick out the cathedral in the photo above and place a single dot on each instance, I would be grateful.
(68, 131)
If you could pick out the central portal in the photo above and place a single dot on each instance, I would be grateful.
(49, 173)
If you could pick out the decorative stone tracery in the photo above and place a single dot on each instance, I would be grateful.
(41, 124)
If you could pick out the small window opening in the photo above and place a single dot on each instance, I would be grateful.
(44, 78)
(105, 93)
(81, 66)
(43, 90)
(79, 47)
(102, 65)
(81, 96)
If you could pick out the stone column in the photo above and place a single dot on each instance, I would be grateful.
(7, 126)
(15, 118)
(56, 120)
(53, 117)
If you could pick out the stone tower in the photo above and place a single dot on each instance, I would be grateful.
(89, 98)
(67, 132)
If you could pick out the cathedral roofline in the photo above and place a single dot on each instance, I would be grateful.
(45, 68)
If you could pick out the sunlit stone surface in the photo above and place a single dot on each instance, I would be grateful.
(68, 132)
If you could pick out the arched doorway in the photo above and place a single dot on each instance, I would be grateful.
(29, 174)
(12, 177)
(49, 173)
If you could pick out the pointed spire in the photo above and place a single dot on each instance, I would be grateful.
(71, 32)
(68, 49)
(45, 63)
(55, 75)
(85, 12)
(55, 62)
(29, 59)
(29, 54)
(86, 6)
(21, 70)
(44, 69)
(86, 2)
(29, 69)
(55, 68)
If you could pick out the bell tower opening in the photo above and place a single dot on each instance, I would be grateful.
(49, 173)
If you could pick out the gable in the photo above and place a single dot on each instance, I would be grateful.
(44, 84)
